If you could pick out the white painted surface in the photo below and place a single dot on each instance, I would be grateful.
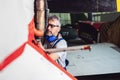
(31, 65)
(102, 59)
(15, 16)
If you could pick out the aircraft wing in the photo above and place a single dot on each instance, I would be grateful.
(104, 58)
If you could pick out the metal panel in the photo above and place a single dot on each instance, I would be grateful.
(104, 58)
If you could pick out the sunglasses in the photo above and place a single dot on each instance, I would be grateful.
(52, 26)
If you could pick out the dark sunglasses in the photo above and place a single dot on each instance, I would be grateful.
(52, 26)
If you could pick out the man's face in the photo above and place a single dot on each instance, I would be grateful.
(53, 27)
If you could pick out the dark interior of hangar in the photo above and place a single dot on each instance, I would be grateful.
(76, 6)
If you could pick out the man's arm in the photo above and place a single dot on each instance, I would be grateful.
(54, 56)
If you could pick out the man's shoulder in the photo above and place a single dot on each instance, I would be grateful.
(62, 43)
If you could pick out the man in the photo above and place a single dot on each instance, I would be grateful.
(53, 39)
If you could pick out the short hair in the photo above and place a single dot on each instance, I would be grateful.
(54, 17)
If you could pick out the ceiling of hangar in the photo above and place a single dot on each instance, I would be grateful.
(77, 6)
